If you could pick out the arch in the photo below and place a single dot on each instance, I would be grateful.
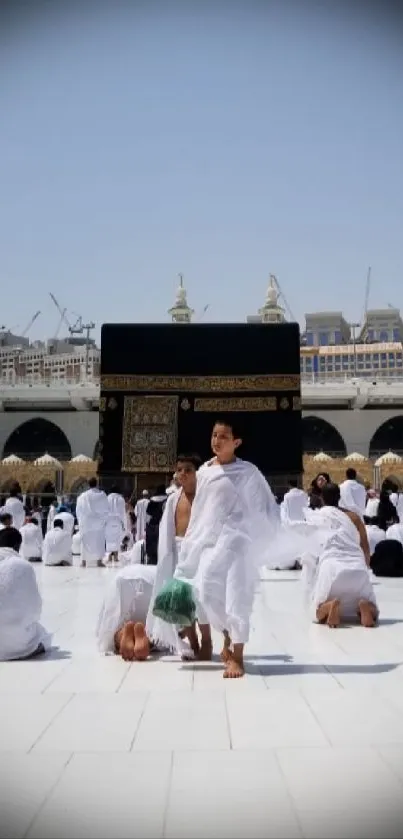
(7, 483)
(388, 437)
(35, 437)
(318, 435)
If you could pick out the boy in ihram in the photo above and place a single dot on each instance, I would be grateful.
(234, 514)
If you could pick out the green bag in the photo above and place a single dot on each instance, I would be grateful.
(175, 604)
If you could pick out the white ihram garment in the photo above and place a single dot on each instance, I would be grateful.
(16, 509)
(375, 535)
(51, 516)
(162, 634)
(57, 547)
(20, 608)
(294, 504)
(397, 499)
(341, 571)
(353, 497)
(32, 540)
(140, 511)
(92, 513)
(76, 543)
(116, 522)
(395, 531)
(371, 509)
(127, 599)
(233, 525)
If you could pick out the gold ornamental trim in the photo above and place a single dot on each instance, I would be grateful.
(149, 435)
(245, 403)
(200, 384)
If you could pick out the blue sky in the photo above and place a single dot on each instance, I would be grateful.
(223, 140)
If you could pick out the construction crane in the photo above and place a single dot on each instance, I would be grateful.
(367, 292)
(282, 296)
(201, 314)
(31, 322)
(78, 328)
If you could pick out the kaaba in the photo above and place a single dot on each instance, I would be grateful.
(163, 385)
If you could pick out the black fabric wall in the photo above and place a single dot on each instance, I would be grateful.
(272, 439)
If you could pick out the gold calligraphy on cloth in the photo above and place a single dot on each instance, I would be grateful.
(201, 384)
(233, 404)
(149, 435)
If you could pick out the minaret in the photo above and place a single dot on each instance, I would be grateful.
(272, 312)
(181, 312)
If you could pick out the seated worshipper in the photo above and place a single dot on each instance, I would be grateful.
(155, 509)
(173, 527)
(315, 495)
(387, 514)
(342, 587)
(371, 509)
(294, 503)
(21, 634)
(92, 513)
(6, 520)
(32, 539)
(234, 518)
(15, 507)
(395, 531)
(375, 533)
(63, 513)
(140, 514)
(57, 545)
(353, 496)
(387, 559)
(116, 523)
(122, 623)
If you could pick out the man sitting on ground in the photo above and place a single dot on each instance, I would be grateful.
(57, 545)
(21, 634)
(32, 539)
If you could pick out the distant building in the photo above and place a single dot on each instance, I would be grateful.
(324, 329)
(382, 326)
(363, 360)
(181, 312)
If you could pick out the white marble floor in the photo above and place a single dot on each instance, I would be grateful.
(309, 744)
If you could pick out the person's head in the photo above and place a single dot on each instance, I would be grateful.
(6, 519)
(145, 493)
(61, 509)
(161, 490)
(293, 483)
(58, 524)
(186, 468)
(31, 520)
(226, 438)
(320, 481)
(15, 490)
(113, 489)
(331, 495)
(351, 474)
(10, 537)
(93, 483)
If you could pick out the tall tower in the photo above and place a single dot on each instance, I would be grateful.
(272, 312)
(181, 312)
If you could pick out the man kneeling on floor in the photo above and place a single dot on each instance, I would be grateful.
(341, 584)
(126, 624)
(21, 634)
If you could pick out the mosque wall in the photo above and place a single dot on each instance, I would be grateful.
(81, 428)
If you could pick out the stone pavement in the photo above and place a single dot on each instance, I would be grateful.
(309, 743)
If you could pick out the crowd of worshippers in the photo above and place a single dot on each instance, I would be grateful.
(177, 582)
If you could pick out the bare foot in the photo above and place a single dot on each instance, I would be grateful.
(226, 653)
(126, 648)
(333, 618)
(141, 643)
(234, 669)
(367, 613)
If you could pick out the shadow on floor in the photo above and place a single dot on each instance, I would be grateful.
(55, 654)
(331, 669)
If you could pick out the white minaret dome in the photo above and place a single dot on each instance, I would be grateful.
(272, 294)
(181, 312)
(272, 312)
